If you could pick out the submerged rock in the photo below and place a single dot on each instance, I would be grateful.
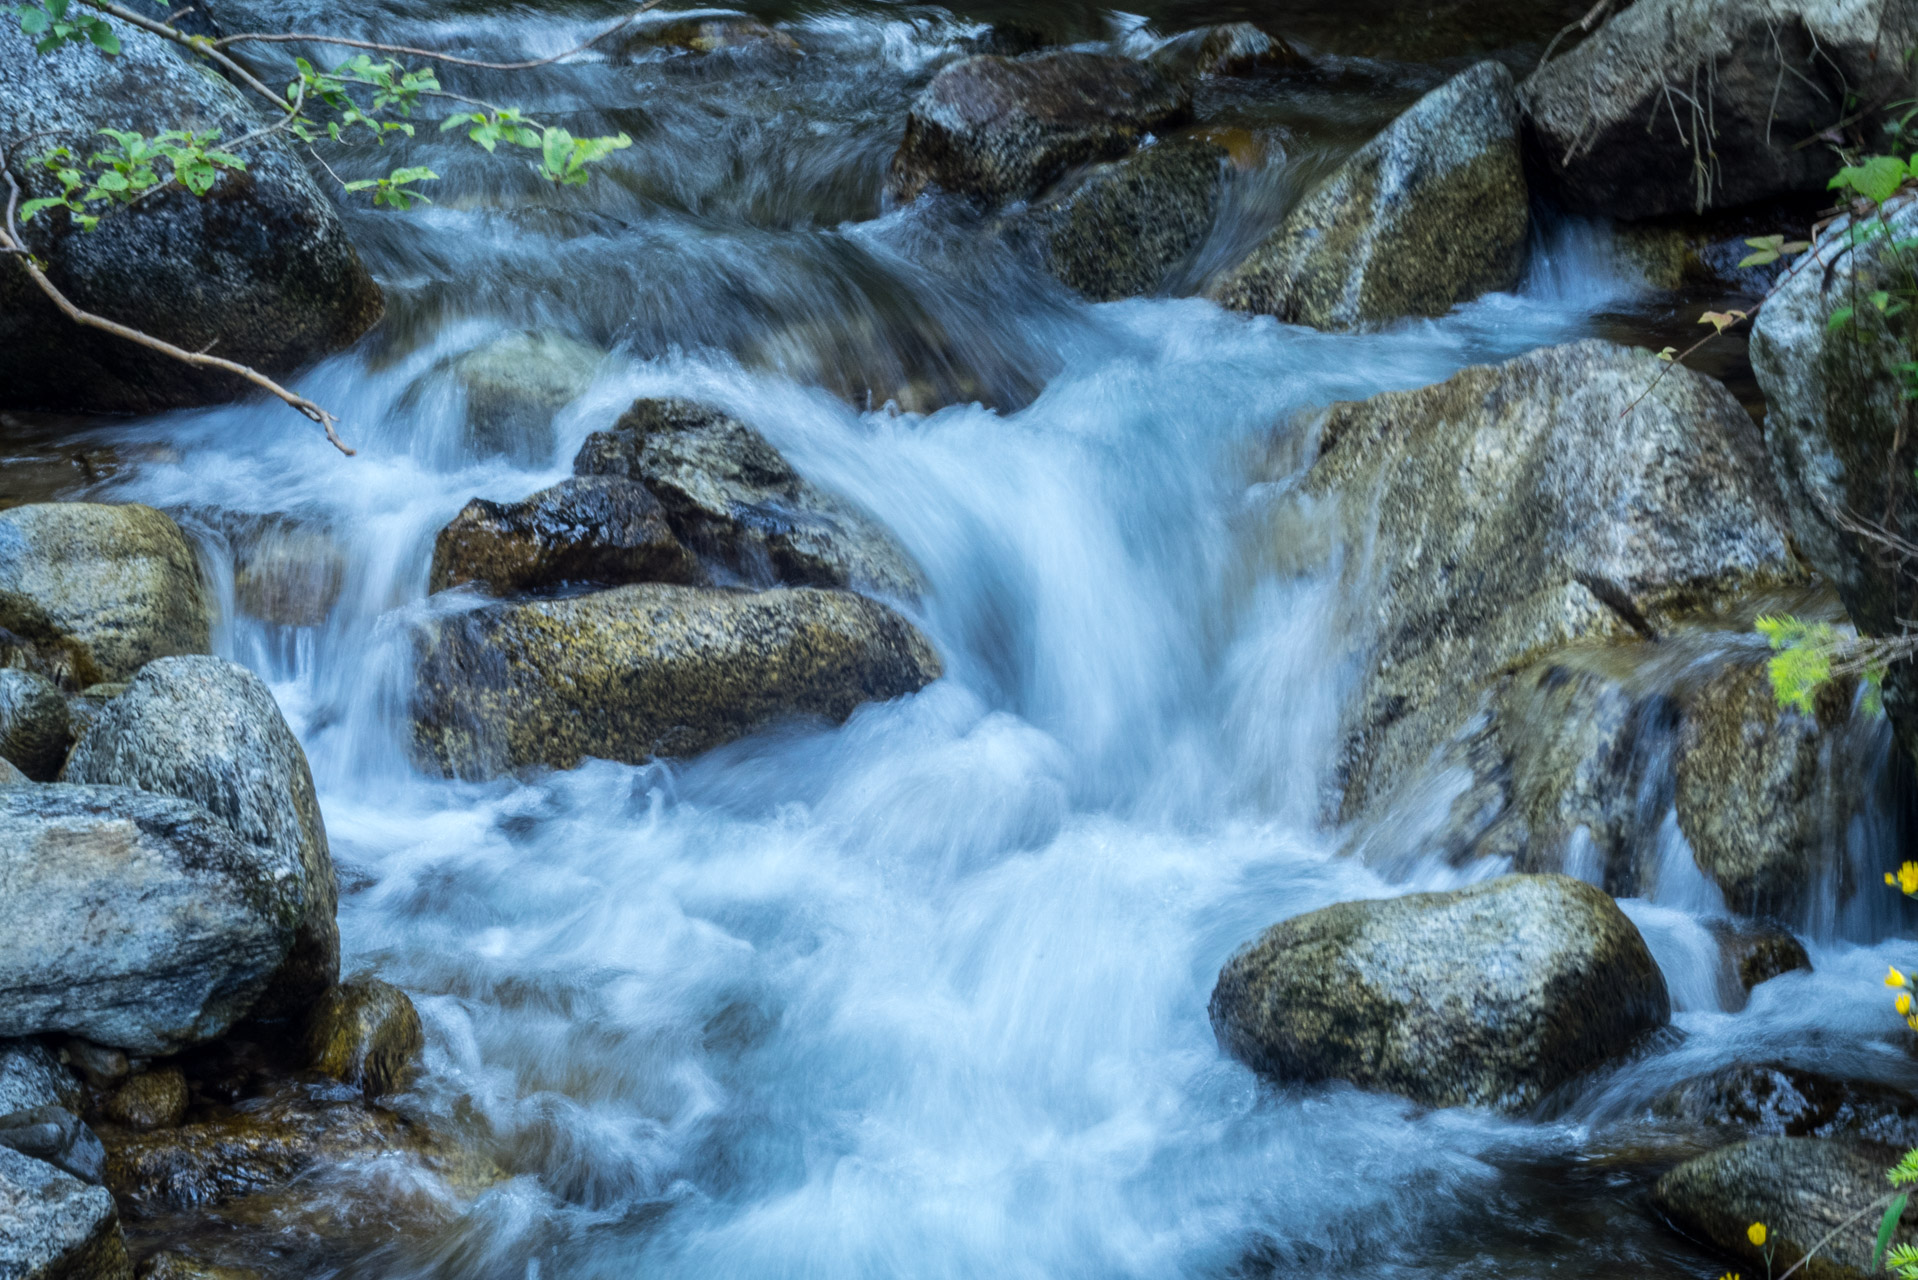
(55, 1227)
(515, 385)
(137, 921)
(153, 1099)
(285, 572)
(259, 270)
(731, 498)
(1800, 1188)
(1776, 1100)
(54, 1134)
(365, 1033)
(1004, 129)
(34, 731)
(208, 730)
(652, 670)
(1686, 105)
(170, 1264)
(706, 33)
(1754, 954)
(1488, 996)
(1229, 49)
(591, 529)
(1430, 213)
(91, 593)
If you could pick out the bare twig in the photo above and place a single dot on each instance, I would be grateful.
(264, 37)
(11, 242)
(1831, 1235)
(1585, 23)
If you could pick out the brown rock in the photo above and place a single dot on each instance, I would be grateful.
(153, 1099)
(366, 1033)
(604, 530)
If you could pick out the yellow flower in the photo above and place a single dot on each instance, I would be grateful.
(1731, 1275)
(1912, 1021)
(1756, 1233)
(1906, 879)
(1894, 978)
(1903, 1003)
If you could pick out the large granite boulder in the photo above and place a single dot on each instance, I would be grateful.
(259, 270)
(1687, 105)
(651, 670)
(731, 498)
(1004, 129)
(1489, 522)
(1800, 1188)
(134, 920)
(208, 730)
(1836, 425)
(1430, 213)
(55, 1227)
(91, 593)
(590, 529)
(1489, 996)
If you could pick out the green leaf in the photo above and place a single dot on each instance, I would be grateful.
(34, 22)
(56, 9)
(1838, 319)
(1887, 1225)
(104, 38)
(32, 207)
(1877, 178)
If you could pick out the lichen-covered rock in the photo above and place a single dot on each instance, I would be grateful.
(208, 730)
(92, 593)
(1123, 227)
(1776, 1100)
(1516, 509)
(1800, 1188)
(1004, 129)
(1229, 49)
(135, 920)
(606, 530)
(1430, 213)
(365, 1033)
(650, 670)
(54, 1134)
(1686, 105)
(515, 384)
(259, 270)
(731, 498)
(1488, 996)
(32, 1075)
(153, 1099)
(34, 730)
(55, 1227)
(1835, 424)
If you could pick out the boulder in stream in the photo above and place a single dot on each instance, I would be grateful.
(35, 733)
(91, 592)
(1004, 129)
(365, 1033)
(514, 385)
(1489, 996)
(1430, 213)
(650, 670)
(208, 730)
(1228, 49)
(259, 270)
(1779, 1100)
(55, 1227)
(54, 1134)
(590, 529)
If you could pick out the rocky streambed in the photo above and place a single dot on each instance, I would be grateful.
(1063, 644)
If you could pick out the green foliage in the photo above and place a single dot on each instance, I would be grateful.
(394, 89)
(1876, 178)
(1769, 249)
(53, 23)
(1905, 1172)
(129, 168)
(490, 128)
(1903, 1259)
(1801, 658)
(1889, 1223)
(563, 158)
(395, 190)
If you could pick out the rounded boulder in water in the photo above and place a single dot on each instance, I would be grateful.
(34, 729)
(366, 1033)
(1489, 996)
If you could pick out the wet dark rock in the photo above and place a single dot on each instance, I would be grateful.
(260, 269)
(138, 921)
(1013, 39)
(1229, 49)
(34, 730)
(514, 386)
(91, 593)
(1702, 258)
(732, 499)
(208, 730)
(1685, 105)
(1836, 426)
(1123, 227)
(1753, 954)
(652, 670)
(1005, 129)
(1488, 996)
(55, 1227)
(102, 1066)
(285, 572)
(365, 1033)
(32, 1075)
(605, 530)
(1800, 1188)
(55, 1135)
(1430, 213)
(1776, 1100)
(153, 1099)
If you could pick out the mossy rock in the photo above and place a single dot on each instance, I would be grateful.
(365, 1033)
(154, 1099)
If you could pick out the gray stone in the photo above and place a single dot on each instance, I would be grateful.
(10, 775)
(259, 270)
(55, 1135)
(55, 1227)
(1836, 425)
(137, 921)
(85, 707)
(1686, 105)
(1004, 129)
(34, 730)
(1431, 213)
(31, 1075)
(91, 593)
(738, 504)
(1777, 1100)
(605, 530)
(208, 730)
(652, 670)
(515, 384)
(1489, 996)
(1800, 1188)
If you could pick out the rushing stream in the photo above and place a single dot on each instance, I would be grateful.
(924, 994)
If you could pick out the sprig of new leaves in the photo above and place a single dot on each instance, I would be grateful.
(53, 23)
(127, 168)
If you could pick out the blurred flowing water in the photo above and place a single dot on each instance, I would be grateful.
(925, 994)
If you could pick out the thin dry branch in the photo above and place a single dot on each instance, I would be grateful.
(1585, 23)
(266, 37)
(12, 243)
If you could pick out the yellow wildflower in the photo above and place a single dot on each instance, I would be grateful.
(1756, 1233)
(1906, 878)
(1903, 1002)
(1894, 978)
(1912, 1022)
